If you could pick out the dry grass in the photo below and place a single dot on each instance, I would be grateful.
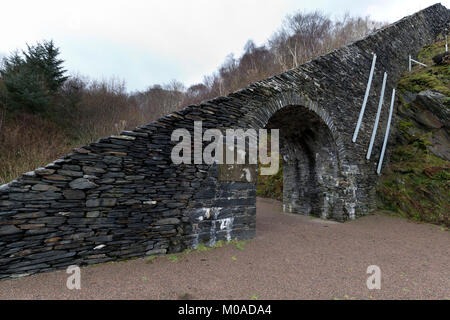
(105, 109)
(28, 142)
(89, 110)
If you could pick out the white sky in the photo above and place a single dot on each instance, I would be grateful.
(155, 41)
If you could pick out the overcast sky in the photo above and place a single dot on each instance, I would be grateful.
(154, 41)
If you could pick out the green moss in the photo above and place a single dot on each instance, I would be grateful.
(429, 51)
(405, 125)
(150, 259)
(442, 175)
(447, 102)
(239, 244)
(271, 186)
(173, 258)
(422, 143)
(202, 247)
(416, 186)
(219, 244)
(403, 153)
(415, 183)
(432, 77)
(401, 99)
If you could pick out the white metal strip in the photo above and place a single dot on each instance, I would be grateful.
(386, 135)
(377, 119)
(415, 61)
(366, 95)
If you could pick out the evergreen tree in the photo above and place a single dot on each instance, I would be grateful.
(32, 80)
(43, 58)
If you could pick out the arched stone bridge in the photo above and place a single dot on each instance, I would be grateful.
(123, 197)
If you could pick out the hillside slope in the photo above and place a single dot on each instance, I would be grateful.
(415, 182)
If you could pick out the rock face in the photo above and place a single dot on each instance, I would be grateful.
(122, 196)
(428, 120)
(440, 141)
(435, 104)
(431, 112)
(442, 58)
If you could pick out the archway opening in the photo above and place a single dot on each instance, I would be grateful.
(310, 162)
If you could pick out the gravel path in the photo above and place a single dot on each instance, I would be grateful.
(292, 257)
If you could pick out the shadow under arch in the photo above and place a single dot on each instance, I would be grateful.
(311, 171)
(311, 150)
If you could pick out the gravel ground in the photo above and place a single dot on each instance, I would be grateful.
(292, 257)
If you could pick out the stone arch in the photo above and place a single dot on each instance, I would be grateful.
(311, 149)
(260, 117)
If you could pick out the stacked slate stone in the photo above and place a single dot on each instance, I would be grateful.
(122, 196)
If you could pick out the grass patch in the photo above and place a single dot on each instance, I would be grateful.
(416, 186)
(202, 247)
(239, 244)
(150, 259)
(429, 51)
(173, 258)
(405, 125)
(432, 77)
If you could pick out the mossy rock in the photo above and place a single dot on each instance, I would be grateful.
(416, 182)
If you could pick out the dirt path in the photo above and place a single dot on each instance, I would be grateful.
(292, 257)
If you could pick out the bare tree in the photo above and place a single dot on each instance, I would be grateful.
(304, 36)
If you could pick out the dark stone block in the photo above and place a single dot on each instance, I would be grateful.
(8, 230)
(74, 194)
